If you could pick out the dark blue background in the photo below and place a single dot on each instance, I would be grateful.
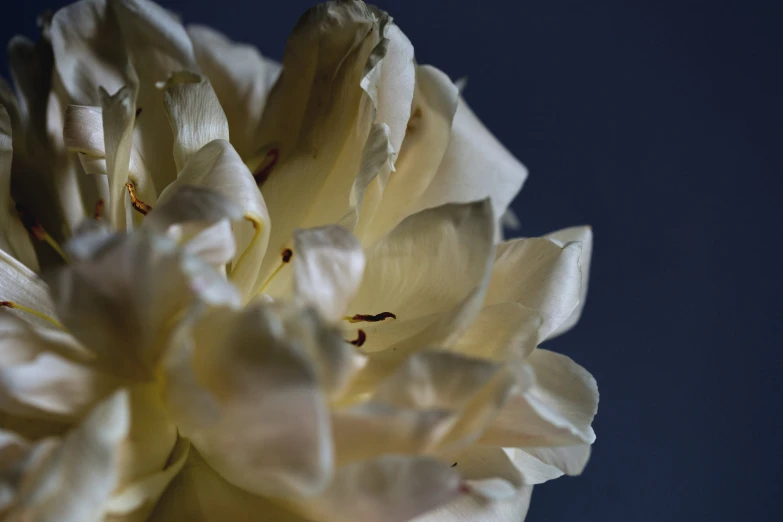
(661, 124)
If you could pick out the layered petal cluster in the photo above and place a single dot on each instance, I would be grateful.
(281, 294)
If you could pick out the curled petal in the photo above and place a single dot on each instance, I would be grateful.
(328, 267)
(554, 406)
(583, 236)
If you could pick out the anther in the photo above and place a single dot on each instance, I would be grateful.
(138, 112)
(286, 255)
(464, 488)
(369, 318)
(35, 229)
(263, 172)
(17, 306)
(361, 337)
(100, 205)
(138, 205)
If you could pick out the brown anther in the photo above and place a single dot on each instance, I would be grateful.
(360, 339)
(7, 304)
(369, 318)
(138, 205)
(138, 112)
(262, 174)
(454, 465)
(464, 488)
(100, 205)
(287, 254)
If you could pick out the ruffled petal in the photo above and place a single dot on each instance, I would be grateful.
(501, 332)
(241, 380)
(387, 489)
(328, 267)
(199, 494)
(217, 167)
(583, 236)
(553, 406)
(476, 165)
(242, 79)
(540, 274)
(426, 139)
(317, 119)
(87, 460)
(123, 302)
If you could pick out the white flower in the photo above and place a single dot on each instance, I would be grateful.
(349, 342)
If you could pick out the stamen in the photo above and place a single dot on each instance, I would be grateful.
(35, 229)
(17, 306)
(138, 112)
(360, 339)
(464, 488)
(138, 205)
(263, 172)
(362, 318)
(100, 205)
(286, 256)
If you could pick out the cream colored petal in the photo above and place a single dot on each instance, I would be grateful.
(18, 284)
(118, 113)
(86, 461)
(87, 51)
(199, 494)
(135, 501)
(241, 381)
(22, 341)
(539, 274)
(14, 239)
(328, 267)
(374, 429)
(242, 79)
(201, 220)
(584, 236)
(317, 119)
(554, 408)
(195, 115)
(376, 164)
(472, 388)
(501, 332)
(499, 492)
(157, 46)
(568, 460)
(219, 168)
(475, 166)
(426, 140)
(123, 302)
(83, 134)
(429, 263)
(388, 489)
(50, 387)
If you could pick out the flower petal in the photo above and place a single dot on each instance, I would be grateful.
(240, 380)
(539, 274)
(318, 118)
(195, 114)
(87, 52)
(199, 494)
(122, 302)
(387, 489)
(568, 460)
(487, 470)
(242, 79)
(218, 167)
(426, 140)
(554, 409)
(475, 166)
(328, 267)
(18, 284)
(86, 460)
(584, 236)
(14, 239)
(501, 332)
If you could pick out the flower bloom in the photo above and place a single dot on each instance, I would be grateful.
(282, 292)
